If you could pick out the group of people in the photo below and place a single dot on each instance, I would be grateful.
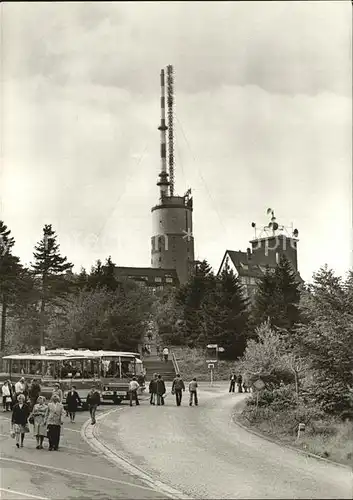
(28, 406)
(242, 383)
(157, 390)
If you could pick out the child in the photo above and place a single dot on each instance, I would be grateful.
(193, 392)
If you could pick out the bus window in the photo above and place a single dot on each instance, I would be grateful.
(50, 369)
(35, 367)
(19, 366)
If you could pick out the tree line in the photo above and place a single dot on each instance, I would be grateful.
(296, 337)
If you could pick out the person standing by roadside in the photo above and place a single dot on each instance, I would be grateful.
(19, 420)
(193, 392)
(160, 390)
(39, 428)
(93, 401)
(153, 389)
(6, 390)
(246, 383)
(73, 400)
(232, 382)
(53, 420)
(177, 388)
(165, 354)
(133, 387)
(239, 383)
(34, 392)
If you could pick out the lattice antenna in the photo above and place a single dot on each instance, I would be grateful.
(170, 104)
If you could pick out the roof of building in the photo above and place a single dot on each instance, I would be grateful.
(148, 273)
(253, 265)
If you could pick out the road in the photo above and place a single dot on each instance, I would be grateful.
(203, 453)
(74, 471)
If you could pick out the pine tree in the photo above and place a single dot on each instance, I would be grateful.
(10, 269)
(326, 340)
(190, 297)
(50, 267)
(277, 297)
(225, 315)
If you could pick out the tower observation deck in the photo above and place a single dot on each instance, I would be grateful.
(172, 242)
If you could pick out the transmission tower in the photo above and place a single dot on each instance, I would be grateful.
(170, 103)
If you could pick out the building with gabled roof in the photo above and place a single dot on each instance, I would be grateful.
(266, 251)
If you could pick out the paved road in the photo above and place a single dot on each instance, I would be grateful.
(201, 452)
(72, 472)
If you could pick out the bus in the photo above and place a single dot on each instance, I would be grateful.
(109, 371)
(116, 368)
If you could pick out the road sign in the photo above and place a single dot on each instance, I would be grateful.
(211, 360)
(210, 366)
(259, 384)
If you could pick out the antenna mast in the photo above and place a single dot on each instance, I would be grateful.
(170, 103)
(163, 182)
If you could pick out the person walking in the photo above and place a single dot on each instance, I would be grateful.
(153, 389)
(20, 388)
(19, 420)
(193, 392)
(53, 420)
(177, 388)
(160, 390)
(73, 400)
(165, 354)
(38, 415)
(239, 383)
(34, 392)
(6, 390)
(133, 386)
(93, 401)
(232, 382)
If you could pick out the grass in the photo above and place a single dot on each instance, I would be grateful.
(331, 439)
(192, 363)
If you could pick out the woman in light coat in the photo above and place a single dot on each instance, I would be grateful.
(54, 420)
(39, 428)
(6, 395)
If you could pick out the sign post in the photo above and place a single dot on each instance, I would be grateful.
(211, 367)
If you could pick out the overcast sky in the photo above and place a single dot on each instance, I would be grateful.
(263, 119)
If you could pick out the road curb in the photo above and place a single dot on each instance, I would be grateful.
(89, 435)
(284, 445)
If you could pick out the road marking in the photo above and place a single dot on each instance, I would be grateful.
(88, 435)
(85, 474)
(23, 494)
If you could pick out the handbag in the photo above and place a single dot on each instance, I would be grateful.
(8, 399)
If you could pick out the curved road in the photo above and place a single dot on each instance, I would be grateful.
(72, 472)
(201, 452)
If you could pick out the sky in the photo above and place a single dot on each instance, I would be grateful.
(263, 118)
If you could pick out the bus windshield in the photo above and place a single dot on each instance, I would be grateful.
(118, 366)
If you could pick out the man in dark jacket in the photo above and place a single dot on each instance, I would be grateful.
(177, 388)
(232, 382)
(153, 389)
(34, 392)
(93, 400)
(239, 383)
(160, 390)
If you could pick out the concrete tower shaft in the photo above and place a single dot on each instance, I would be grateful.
(172, 243)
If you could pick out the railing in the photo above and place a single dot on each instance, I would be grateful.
(175, 363)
